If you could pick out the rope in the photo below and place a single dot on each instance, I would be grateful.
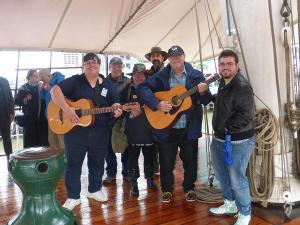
(262, 182)
(207, 193)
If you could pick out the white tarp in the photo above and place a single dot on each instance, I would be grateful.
(89, 25)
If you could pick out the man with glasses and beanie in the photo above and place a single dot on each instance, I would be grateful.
(92, 140)
(121, 84)
(233, 141)
(186, 131)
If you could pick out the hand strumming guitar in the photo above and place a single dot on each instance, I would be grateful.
(164, 106)
(71, 114)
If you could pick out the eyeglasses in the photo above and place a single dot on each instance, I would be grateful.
(228, 64)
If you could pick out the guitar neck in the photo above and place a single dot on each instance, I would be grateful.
(93, 111)
(195, 89)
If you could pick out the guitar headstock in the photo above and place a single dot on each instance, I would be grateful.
(130, 106)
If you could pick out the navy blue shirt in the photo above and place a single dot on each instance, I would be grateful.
(77, 87)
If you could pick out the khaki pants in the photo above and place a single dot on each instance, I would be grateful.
(55, 140)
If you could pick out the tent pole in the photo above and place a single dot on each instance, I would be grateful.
(123, 26)
(59, 23)
(198, 34)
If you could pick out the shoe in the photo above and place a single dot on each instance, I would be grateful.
(166, 197)
(126, 178)
(151, 184)
(190, 196)
(242, 219)
(98, 196)
(109, 180)
(134, 190)
(227, 209)
(70, 203)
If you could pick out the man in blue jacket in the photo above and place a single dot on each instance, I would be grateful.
(186, 131)
(49, 80)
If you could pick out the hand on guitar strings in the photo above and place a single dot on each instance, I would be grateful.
(117, 110)
(71, 114)
(164, 106)
(202, 87)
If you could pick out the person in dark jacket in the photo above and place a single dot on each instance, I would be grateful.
(6, 114)
(157, 57)
(186, 131)
(139, 135)
(232, 117)
(121, 83)
(33, 107)
(91, 141)
(49, 80)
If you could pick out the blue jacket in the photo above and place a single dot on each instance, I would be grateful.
(160, 82)
(45, 94)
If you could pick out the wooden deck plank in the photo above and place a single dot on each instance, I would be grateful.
(122, 208)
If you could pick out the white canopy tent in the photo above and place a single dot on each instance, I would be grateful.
(109, 26)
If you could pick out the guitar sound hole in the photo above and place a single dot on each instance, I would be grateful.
(176, 101)
(78, 112)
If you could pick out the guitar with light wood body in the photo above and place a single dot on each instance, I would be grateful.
(180, 100)
(84, 108)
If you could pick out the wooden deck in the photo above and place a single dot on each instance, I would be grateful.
(122, 208)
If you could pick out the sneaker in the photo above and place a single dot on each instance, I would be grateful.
(166, 197)
(242, 219)
(98, 196)
(190, 196)
(151, 184)
(70, 203)
(227, 209)
(109, 180)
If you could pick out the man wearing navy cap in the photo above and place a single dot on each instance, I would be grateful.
(186, 131)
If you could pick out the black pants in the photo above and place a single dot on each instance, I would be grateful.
(133, 157)
(167, 158)
(5, 133)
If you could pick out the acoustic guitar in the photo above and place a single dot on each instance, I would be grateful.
(180, 100)
(84, 108)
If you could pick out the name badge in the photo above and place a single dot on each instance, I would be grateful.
(104, 92)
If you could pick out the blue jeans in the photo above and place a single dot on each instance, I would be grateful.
(94, 142)
(233, 180)
(111, 162)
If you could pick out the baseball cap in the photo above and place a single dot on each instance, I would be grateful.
(175, 50)
(115, 60)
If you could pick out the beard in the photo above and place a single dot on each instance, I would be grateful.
(156, 64)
